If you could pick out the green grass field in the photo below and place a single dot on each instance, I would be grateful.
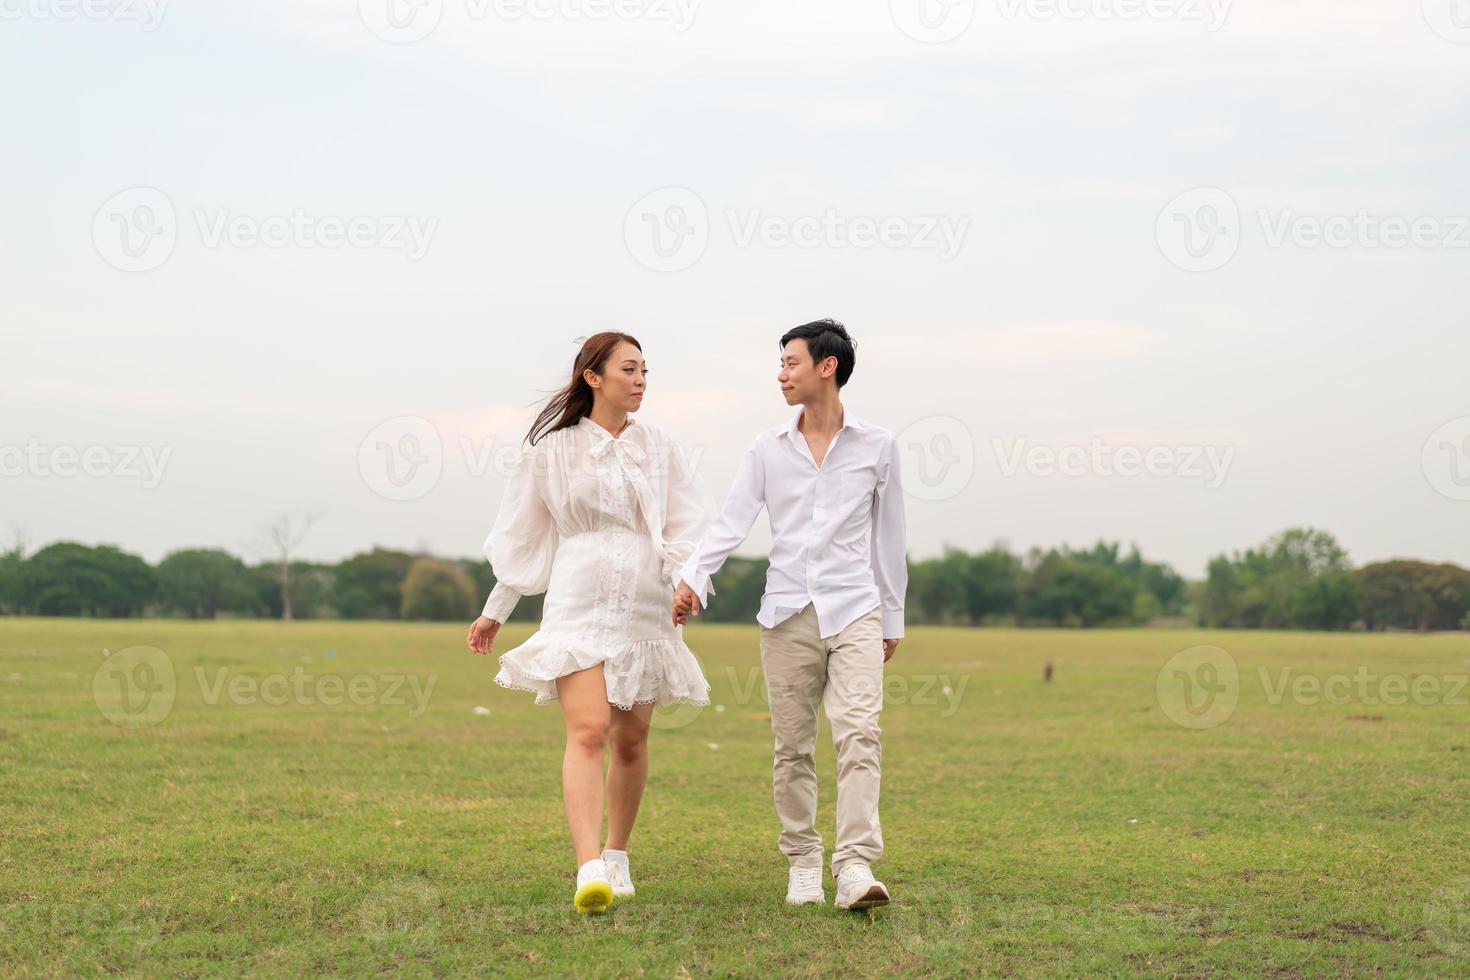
(252, 815)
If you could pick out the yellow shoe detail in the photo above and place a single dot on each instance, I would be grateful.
(593, 897)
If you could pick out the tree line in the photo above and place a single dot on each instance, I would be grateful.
(1300, 579)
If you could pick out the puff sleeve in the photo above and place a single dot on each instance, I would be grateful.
(522, 542)
(688, 510)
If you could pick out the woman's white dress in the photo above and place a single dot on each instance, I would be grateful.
(602, 525)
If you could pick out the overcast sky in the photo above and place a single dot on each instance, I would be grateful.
(1176, 272)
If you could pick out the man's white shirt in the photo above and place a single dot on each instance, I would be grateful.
(837, 531)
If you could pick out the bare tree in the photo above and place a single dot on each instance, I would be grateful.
(10, 568)
(285, 533)
(20, 539)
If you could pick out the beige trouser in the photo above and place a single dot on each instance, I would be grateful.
(844, 672)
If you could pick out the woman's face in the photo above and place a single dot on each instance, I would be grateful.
(624, 379)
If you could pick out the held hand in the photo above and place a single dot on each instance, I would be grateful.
(685, 604)
(890, 647)
(482, 635)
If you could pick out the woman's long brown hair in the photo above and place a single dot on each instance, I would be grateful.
(570, 405)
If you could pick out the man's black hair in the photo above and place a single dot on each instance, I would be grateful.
(824, 339)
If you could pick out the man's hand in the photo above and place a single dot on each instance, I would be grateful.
(685, 603)
(482, 635)
(890, 647)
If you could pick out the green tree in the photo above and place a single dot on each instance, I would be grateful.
(1413, 595)
(992, 584)
(1300, 578)
(438, 590)
(370, 585)
(739, 586)
(200, 582)
(12, 568)
(70, 579)
(937, 587)
(1217, 601)
(1066, 588)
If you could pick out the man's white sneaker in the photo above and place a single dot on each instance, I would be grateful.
(804, 886)
(618, 873)
(594, 891)
(858, 889)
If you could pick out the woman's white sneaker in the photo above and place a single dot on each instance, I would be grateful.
(618, 873)
(594, 891)
(858, 889)
(804, 886)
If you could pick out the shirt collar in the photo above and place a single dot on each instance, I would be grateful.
(849, 421)
(597, 430)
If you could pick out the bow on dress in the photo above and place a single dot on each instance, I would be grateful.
(630, 459)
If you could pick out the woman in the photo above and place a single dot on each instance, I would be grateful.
(600, 515)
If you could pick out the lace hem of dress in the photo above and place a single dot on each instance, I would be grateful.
(697, 702)
(658, 671)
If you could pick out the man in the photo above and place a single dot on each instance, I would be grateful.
(832, 613)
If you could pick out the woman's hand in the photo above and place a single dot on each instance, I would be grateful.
(685, 602)
(482, 635)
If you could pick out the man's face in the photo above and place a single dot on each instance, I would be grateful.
(801, 379)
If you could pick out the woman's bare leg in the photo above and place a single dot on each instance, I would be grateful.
(628, 772)
(587, 715)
